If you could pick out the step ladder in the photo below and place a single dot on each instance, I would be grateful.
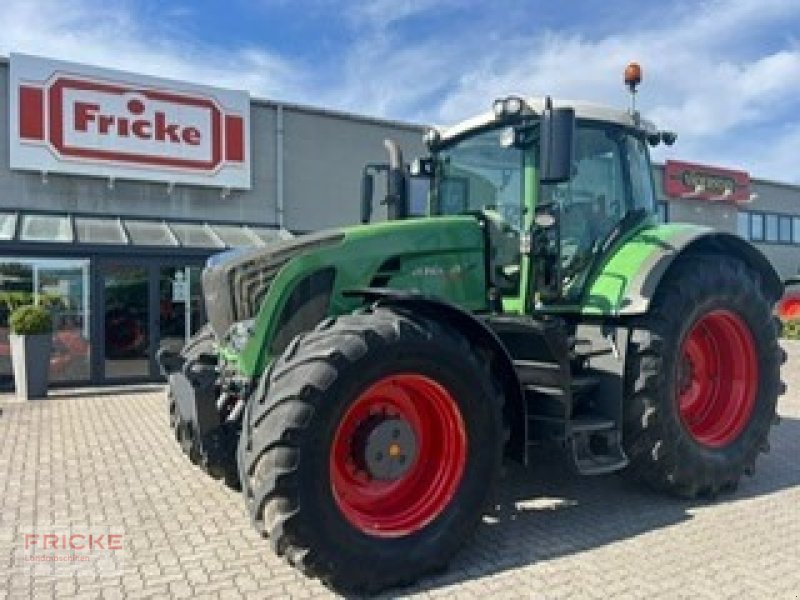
(552, 395)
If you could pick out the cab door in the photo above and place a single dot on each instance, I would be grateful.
(611, 181)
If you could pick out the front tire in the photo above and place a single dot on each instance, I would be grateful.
(370, 456)
(215, 453)
(703, 379)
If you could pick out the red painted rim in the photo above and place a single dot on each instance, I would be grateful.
(718, 378)
(398, 507)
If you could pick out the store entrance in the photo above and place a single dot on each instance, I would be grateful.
(180, 306)
(127, 324)
(143, 308)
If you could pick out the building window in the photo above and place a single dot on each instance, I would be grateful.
(785, 229)
(663, 211)
(743, 224)
(772, 228)
(756, 226)
(63, 287)
(8, 225)
(796, 230)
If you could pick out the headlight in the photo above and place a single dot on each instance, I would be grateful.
(499, 107)
(514, 105)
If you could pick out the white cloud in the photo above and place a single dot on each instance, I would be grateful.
(703, 77)
(110, 35)
(714, 71)
(379, 14)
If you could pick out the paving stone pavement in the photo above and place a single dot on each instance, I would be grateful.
(107, 460)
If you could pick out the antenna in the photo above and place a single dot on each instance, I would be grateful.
(633, 77)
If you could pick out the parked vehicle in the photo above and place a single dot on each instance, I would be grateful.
(365, 383)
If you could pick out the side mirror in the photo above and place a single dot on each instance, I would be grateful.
(367, 192)
(556, 141)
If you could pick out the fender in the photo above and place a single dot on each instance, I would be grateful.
(629, 278)
(476, 330)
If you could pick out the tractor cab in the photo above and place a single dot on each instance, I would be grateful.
(557, 187)
(548, 229)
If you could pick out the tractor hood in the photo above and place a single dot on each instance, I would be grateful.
(235, 282)
(289, 287)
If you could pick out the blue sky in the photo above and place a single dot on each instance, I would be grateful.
(725, 74)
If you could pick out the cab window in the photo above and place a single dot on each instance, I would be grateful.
(598, 196)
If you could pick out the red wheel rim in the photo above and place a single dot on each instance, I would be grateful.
(398, 506)
(718, 378)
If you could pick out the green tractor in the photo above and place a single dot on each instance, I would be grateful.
(363, 385)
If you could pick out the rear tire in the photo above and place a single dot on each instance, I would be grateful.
(702, 379)
(303, 490)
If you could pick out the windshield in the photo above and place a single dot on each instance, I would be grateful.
(478, 173)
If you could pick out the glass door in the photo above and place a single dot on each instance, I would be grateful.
(142, 308)
(126, 321)
(62, 286)
(180, 305)
(173, 308)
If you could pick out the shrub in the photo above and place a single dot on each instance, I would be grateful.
(30, 320)
(791, 329)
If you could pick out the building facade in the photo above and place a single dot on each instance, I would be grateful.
(766, 213)
(116, 188)
(118, 258)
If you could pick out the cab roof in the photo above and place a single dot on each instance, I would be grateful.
(583, 110)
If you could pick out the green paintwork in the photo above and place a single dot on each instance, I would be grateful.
(521, 303)
(441, 257)
(607, 293)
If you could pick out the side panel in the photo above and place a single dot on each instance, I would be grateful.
(442, 257)
(626, 283)
(627, 280)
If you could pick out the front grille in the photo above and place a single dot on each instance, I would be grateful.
(235, 287)
(250, 283)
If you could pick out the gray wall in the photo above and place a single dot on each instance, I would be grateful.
(323, 160)
(772, 197)
(719, 215)
(781, 199)
(324, 153)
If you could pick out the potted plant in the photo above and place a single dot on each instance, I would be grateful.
(31, 340)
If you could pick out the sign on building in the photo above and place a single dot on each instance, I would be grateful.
(701, 182)
(69, 118)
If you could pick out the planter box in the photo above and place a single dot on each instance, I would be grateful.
(31, 357)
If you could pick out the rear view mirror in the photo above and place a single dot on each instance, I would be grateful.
(556, 140)
(367, 192)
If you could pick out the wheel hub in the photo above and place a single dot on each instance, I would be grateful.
(390, 449)
(398, 455)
